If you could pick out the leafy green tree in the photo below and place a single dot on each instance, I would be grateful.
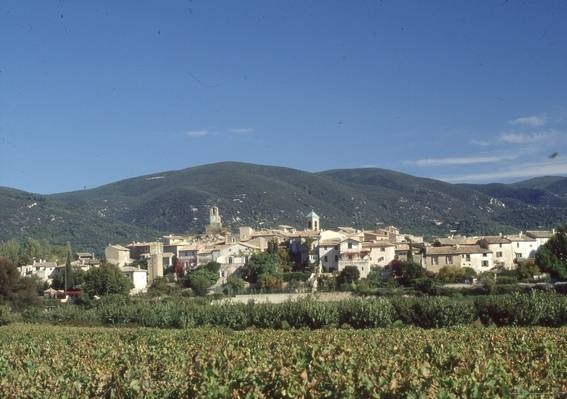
(235, 284)
(105, 280)
(11, 250)
(69, 281)
(259, 263)
(348, 275)
(202, 278)
(526, 269)
(455, 274)
(406, 272)
(552, 256)
(20, 292)
(377, 278)
(269, 280)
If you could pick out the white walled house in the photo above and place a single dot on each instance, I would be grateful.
(138, 277)
(328, 253)
(540, 236)
(501, 249)
(233, 253)
(43, 270)
(523, 246)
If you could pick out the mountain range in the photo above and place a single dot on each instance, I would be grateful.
(147, 207)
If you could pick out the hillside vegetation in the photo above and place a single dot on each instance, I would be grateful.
(264, 196)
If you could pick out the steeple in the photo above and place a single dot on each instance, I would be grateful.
(313, 221)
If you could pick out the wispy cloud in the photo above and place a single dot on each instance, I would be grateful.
(241, 130)
(556, 166)
(531, 121)
(525, 138)
(461, 160)
(482, 143)
(197, 133)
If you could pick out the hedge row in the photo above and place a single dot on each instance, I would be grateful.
(537, 308)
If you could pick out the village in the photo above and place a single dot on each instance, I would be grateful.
(330, 251)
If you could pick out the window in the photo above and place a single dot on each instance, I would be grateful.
(434, 260)
(350, 245)
(350, 257)
(498, 254)
(468, 257)
(325, 258)
(336, 247)
(448, 259)
(518, 255)
(517, 245)
(500, 245)
(336, 258)
(484, 255)
(382, 249)
(484, 263)
(230, 260)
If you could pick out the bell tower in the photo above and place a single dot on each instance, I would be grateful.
(313, 221)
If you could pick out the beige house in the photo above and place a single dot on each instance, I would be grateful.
(381, 253)
(117, 255)
(473, 256)
(501, 249)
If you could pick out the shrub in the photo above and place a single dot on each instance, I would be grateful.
(435, 312)
(6, 315)
(367, 313)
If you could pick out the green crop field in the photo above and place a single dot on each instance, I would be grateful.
(39, 361)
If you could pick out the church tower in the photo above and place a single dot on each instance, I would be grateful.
(313, 221)
(215, 224)
(214, 215)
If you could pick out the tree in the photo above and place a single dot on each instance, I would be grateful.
(20, 292)
(526, 269)
(106, 279)
(69, 281)
(234, 284)
(11, 250)
(259, 263)
(552, 256)
(410, 250)
(455, 274)
(202, 278)
(269, 280)
(406, 272)
(348, 275)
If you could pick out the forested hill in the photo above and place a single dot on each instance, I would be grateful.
(263, 196)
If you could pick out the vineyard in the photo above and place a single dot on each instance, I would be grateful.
(41, 361)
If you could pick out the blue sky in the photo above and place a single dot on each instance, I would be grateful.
(93, 92)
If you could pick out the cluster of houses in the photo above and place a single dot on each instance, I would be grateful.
(331, 250)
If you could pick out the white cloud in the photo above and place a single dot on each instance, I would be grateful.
(524, 138)
(532, 121)
(461, 160)
(241, 130)
(197, 133)
(482, 143)
(527, 170)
